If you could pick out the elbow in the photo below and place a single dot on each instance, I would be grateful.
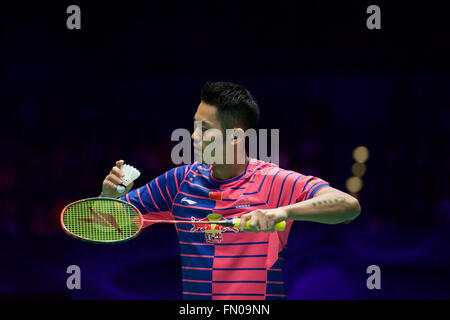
(354, 208)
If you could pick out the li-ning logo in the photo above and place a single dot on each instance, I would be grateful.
(102, 219)
(188, 201)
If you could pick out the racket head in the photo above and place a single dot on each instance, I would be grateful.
(101, 220)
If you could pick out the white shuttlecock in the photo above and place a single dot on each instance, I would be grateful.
(130, 174)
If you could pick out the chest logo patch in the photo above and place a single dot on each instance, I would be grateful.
(213, 231)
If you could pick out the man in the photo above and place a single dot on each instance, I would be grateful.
(223, 262)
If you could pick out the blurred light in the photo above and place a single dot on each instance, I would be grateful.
(358, 169)
(361, 154)
(354, 184)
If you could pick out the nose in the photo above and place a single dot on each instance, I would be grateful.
(196, 134)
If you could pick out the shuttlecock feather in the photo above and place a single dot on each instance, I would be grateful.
(130, 174)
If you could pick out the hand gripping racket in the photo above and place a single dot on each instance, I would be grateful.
(109, 220)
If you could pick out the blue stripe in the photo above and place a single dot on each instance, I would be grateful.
(275, 288)
(197, 262)
(270, 190)
(240, 188)
(293, 188)
(260, 186)
(198, 287)
(281, 190)
(190, 296)
(317, 189)
(251, 256)
(196, 249)
(239, 243)
(197, 274)
(307, 183)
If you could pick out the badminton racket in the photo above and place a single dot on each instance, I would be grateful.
(110, 220)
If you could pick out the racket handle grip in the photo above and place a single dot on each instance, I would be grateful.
(280, 226)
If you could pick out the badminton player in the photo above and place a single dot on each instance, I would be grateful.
(233, 263)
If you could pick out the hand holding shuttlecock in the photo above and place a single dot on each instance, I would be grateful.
(130, 174)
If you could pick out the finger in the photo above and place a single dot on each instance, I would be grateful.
(114, 179)
(253, 224)
(117, 172)
(109, 184)
(244, 219)
(263, 223)
(119, 163)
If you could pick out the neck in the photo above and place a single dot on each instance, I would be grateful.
(228, 171)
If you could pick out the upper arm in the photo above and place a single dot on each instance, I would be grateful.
(328, 189)
(158, 194)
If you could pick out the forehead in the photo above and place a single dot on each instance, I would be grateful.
(208, 114)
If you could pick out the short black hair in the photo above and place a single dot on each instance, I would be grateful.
(235, 105)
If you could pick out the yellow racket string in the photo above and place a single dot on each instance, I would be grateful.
(102, 220)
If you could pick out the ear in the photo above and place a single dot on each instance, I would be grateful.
(238, 135)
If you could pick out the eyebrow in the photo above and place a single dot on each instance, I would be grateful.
(205, 122)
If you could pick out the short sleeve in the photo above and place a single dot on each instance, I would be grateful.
(288, 187)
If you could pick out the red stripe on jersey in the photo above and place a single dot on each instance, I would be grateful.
(236, 287)
(241, 262)
(225, 297)
(239, 250)
(239, 275)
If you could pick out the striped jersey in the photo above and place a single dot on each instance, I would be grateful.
(219, 262)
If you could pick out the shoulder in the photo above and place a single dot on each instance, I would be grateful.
(266, 169)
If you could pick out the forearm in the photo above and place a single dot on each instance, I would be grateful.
(329, 208)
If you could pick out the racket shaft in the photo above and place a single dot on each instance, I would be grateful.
(231, 223)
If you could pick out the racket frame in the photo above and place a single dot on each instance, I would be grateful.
(141, 221)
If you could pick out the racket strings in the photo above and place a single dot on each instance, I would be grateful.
(102, 221)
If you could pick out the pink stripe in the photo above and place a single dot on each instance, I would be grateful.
(153, 200)
(176, 181)
(182, 218)
(203, 281)
(139, 195)
(196, 256)
(128, 197)
(238, 298)
(198, 294)
(157, 184)
(243, 249)
(167, 189)
(201, 175)
(275, 282)
(275, 269)
(195, 268)
(275, 295)
(252, 262)
(196, 243)
(235, 287)
(239, 275)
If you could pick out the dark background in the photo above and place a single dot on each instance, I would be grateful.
(75, 101)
